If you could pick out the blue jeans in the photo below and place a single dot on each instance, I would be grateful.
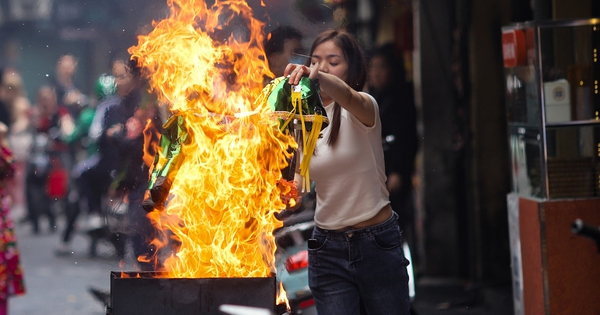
(365, 266)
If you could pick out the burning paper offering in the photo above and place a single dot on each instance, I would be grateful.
(218, 171)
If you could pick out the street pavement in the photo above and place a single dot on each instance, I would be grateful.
(443, 296)
(58, 285)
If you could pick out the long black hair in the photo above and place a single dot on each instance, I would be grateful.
(357, 69)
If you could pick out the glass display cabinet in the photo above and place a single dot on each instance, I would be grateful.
(552, 73)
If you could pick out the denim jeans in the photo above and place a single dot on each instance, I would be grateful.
(356, 266)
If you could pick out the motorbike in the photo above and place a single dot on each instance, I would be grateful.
(579, 227)
(292, 256)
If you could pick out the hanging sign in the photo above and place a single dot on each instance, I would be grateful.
(514, 51)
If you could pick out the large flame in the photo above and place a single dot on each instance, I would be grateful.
(208, 64)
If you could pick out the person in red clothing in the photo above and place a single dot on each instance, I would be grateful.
(49, 160)
(11, 273)
(14, 112)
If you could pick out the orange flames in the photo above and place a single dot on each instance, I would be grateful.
(282, 297)
(208, 64)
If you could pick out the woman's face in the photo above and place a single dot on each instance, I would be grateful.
(330, 59)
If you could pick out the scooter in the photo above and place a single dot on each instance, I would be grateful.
(579, 227)
(292, 256)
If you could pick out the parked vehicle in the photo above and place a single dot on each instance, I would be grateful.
(292, 255)
(292, 261)
(579, 227)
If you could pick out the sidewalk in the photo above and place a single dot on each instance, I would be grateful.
(438, 296)
(59, 285)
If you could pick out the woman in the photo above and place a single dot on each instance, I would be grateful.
(355, 256)
(16, 117)
(49, 161)
(11, 274)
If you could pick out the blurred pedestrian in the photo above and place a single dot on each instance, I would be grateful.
(355, 255)
(4, 112)
(386, 81)
(280, 48)
(124, 125)
(98, 178)
(82, 188)
(46, 175)
(14, 113)
(11, 273)
(120, 172)
(67, 93)
(12, 93)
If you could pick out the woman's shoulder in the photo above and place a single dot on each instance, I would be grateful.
(373, 101)
(369, 96)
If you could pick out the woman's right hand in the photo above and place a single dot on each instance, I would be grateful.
(295, 72)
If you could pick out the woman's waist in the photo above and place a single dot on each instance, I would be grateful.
(384, 219)
(381, 216)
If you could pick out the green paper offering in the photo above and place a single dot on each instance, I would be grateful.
(281, 96)
(166, 163)
(300, 111)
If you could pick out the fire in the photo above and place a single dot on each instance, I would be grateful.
(208, 64)
(282, 297)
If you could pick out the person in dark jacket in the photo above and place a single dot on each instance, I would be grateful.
(281, 47)
(122, 145)
(124, 125)
(87, 184)
(387, 83)
(67, 93)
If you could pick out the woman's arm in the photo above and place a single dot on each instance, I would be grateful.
(357, 104)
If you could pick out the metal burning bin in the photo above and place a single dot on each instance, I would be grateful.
(147, 293)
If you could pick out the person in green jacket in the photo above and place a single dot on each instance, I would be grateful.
(105, 90)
